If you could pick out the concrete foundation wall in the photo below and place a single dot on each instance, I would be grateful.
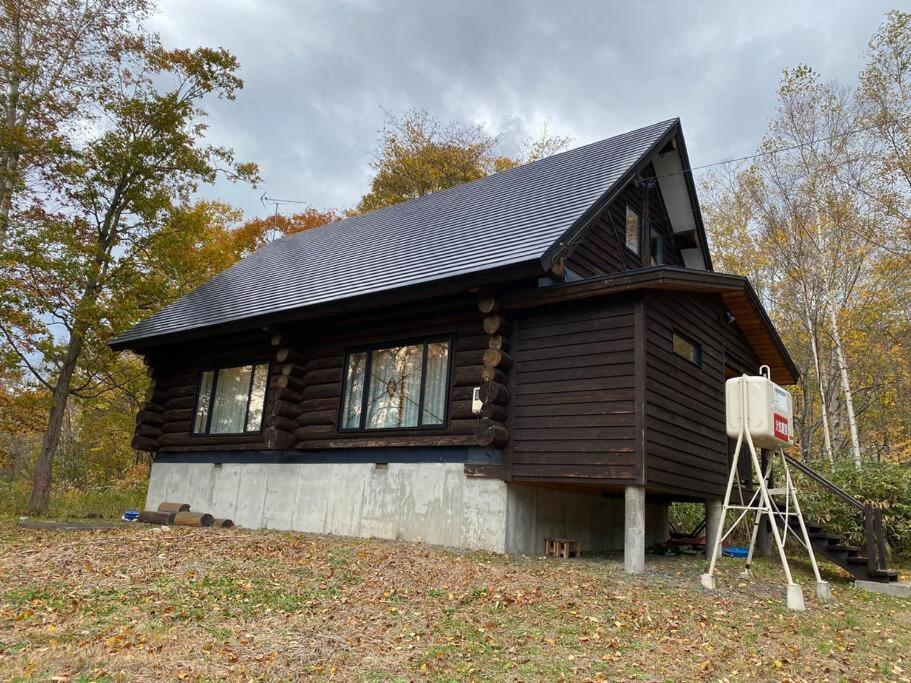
(430, 502)
(534, 514)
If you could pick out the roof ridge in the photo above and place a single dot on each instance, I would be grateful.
(462, 186)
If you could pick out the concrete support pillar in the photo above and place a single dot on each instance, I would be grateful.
(713, 520)
(634, 530)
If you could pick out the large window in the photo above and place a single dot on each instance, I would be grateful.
(632, 229)
(230, 400)
(396, 386)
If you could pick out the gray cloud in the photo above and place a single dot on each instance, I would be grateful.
(319, 73)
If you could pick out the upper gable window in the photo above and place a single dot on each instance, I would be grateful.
(632, 229)
(687, 348)
(230, 400)
(394, 387)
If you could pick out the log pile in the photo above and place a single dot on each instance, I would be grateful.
(179, 514)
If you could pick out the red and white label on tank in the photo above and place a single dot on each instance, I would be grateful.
(781, 427)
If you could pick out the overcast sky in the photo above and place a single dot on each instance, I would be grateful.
(319, 74)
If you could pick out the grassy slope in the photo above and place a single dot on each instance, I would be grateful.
(227, 604)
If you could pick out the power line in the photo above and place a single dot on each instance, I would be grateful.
(786, 148)
(276, 201)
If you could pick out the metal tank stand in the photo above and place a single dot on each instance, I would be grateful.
(762, 507)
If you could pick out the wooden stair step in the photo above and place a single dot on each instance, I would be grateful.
(857, 560)
(890, 574)
(838, 548)
(823, 536)
(811, 528)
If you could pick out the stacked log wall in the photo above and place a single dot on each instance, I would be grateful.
(176, 371)
(322, 353)
(305, 388)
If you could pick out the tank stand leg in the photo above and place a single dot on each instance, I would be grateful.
(795, 597)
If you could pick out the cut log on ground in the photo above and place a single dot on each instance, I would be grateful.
(157, 518)
(193, 519)
(173, 507)
(220, 523)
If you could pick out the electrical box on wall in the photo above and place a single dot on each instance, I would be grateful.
(476, 402)
(766, 408)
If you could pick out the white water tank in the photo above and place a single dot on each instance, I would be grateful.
(766, 407)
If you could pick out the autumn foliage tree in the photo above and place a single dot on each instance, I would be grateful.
(418, 154)
(819, 221)
(77, 276)
(57, 64)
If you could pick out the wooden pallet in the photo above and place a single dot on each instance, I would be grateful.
(562, 547)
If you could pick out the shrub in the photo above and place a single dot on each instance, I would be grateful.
(107, 502)
(875, 482)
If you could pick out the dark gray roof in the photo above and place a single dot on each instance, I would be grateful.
(500, 220)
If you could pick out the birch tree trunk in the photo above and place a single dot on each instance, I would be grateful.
(845, 386)
(10, 159)
(827, 437)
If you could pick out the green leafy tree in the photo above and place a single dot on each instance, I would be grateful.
(78, 277)
(57, 62)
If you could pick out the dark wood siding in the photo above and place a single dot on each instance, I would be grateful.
(686, 445)
(573, 406)
(172, 394)
(602, 250)
(303, 401)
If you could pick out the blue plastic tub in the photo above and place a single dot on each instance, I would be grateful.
(735, 552)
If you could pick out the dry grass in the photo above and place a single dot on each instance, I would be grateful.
(202, 604)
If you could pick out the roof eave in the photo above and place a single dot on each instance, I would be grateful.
(389, 297)
(668, 278)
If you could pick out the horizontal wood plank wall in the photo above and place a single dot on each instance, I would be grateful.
(602, 250)
(572, 410)
(687, 449)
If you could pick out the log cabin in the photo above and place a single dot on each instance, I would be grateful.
(537, 354)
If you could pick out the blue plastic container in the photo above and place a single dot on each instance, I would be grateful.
(130, 516)
(736, 552)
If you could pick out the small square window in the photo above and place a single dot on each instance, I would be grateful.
(687, 348)
(632, 229)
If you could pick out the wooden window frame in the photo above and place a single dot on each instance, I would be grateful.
(637, 252)
(215, 369)
(697, 348)
(368, 361)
